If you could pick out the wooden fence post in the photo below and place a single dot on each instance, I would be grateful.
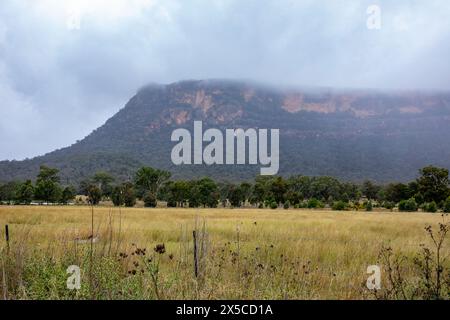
(7, 237)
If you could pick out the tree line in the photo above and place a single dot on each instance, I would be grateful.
(429, 192)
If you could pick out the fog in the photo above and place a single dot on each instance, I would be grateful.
(67, 66)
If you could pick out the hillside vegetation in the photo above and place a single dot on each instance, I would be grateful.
(351, 135)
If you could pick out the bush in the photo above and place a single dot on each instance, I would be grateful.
(388, 205)
(409, 205)
(268, 202)
(303, 204)
(446, 206)
(430, 207)
(369, 206)
(150, 200)
(286, 205)
(273, 205)
(313, 203)
(339, 206)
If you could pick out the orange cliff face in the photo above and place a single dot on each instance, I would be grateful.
(236, 103)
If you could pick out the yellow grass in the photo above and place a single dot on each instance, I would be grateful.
(281, 254)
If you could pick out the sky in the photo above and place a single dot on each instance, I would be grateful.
(67, 66)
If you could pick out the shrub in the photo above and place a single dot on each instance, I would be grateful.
(268, 202)
(369, 206)
(388, 205)
(314, 203)
(446, 206)
(273, 205)
(409, 205)
(339, 206)
(286, 205)
(430, 207)
(303, 204)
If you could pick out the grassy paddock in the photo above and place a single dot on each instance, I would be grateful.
(242, 253)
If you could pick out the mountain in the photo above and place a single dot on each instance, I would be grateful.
(350, 134)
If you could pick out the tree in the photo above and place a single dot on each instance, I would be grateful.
(68, 194)
(433, 184)
(395, 192)
(325, 188)
(260, 190)
(94, 195)
(293, 197)
(129, 194)
(47, 185)
(350, 191)
(370, 190)
(203, 192)
(236, 196)
(149, 179)
(246, 189)
(103, 180)
(150, 200)
(178, 193)
(412, 190)
(25, 193)
(9, 191)
(117, 196)
(278, 188)
(224, 189)
(209, 193)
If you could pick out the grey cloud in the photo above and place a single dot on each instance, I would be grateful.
(58, 84)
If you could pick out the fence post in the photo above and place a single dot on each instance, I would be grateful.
(194, 234)
(7, 237)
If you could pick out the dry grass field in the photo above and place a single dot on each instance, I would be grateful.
(241, 253)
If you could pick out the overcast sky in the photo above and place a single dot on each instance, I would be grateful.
(67, 66)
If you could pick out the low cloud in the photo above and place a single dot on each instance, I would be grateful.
(66, 66)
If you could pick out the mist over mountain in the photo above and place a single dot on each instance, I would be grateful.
(349, 134)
